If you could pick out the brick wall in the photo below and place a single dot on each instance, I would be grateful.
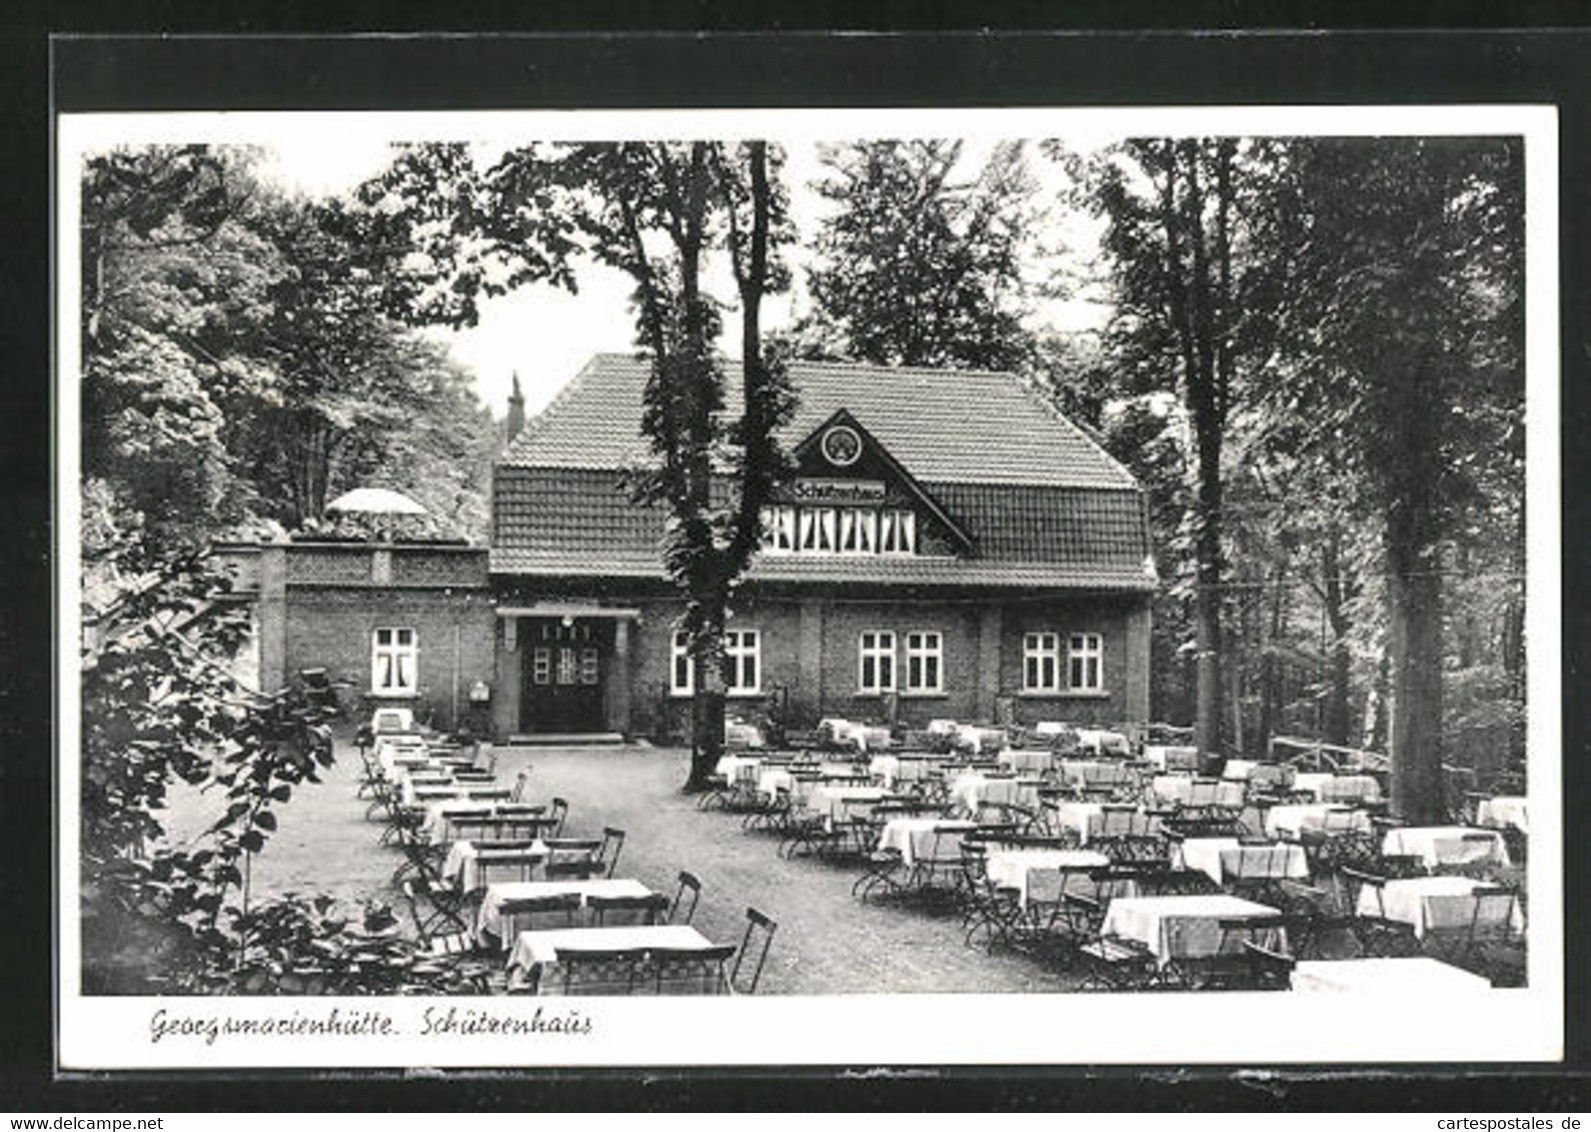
(332, 629)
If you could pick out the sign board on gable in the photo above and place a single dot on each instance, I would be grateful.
(838, 491)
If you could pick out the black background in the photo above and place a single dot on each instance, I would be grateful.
(756, 58)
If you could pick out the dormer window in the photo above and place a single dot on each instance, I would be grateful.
(838, 530)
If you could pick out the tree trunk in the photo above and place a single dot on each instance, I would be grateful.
(1336, 722)
(1207, 598)
(1416, 741)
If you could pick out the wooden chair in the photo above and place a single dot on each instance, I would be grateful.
(761, 926)
(612, 843)
(1378, 936)
(688, 882)
(649, 909)
(689, 970)
(560, 810)
(455, 951)
(521, 914)
(601, 972)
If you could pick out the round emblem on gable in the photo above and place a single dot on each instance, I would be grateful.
(841, 446)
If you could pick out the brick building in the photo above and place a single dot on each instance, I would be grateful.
(950, 547)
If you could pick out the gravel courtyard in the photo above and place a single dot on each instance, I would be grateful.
(827, 942)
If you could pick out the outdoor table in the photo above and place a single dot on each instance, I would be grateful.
(1190, 791)
(1238, 768)
(743, 735)
(1339, 787)
(1172, 758)
(465, 860)
(733, 766)
(393, 758)
(489, 919)
(1226, 858)
(1446, 845)
(418, 795)
(976, 740)
(538, 951)
(1095, 772)
(1097, 819)
(1100, 742)
(1043, 876)
(770, 779)
(834, 800)
(970, 789)
(1184, 927)
(1026, 761)
(1503, 812)
(1425, 903)
(916, 837)
(436, 826)
(1293, 821)
(942, 726)
(1419, 977)
(392, 719)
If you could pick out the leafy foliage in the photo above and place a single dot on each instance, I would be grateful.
(916, 267)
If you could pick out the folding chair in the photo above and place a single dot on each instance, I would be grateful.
(612, 842)
(649, 909)
(497, 865)
(688, 882)
(560, 810)
(756, 923)
(601, 972)
(520, 914)
(680, 971)
(520, 781)
(437, 951)
(1110, 962)
(1378, 936)
(571, 858)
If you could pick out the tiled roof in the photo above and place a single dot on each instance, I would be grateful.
(580, 522)
(794, 568)
(957, 426)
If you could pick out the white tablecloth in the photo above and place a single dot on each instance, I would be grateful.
(837, 801)
(1339, 787)
(1190, 791)
(1094, 819)
(1043, 875)
(1172, 758)
(540, 949)
(1430, 902)
(1417, 977)
(1025, 761)
(916, 838)
(733, 767)
(1503, 812)
(1226, 858)
(971, 790)
(463, 863)
(979, 740)
(743, 735)
(1095, 772)
(435, 827)
(1182, 927)
(1293, 820)
(770, 779)
(1446, 845)
(1102, 742)
(489, 918)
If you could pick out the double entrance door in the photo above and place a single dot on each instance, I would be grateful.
(565, 663)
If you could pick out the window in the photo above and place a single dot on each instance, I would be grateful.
(778, 529)
(1085, 667)
(924, 663)
(876, 662)
(394, 662)
(1041, 662)
(682, 667)
(858, 531)
(897, 532)
(743, 661)
(541, 666)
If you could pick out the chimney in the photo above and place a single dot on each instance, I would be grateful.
(516, 410)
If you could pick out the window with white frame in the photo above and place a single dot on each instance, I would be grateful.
(394, 662)
(1041, 662)
(924, 662)
(876, 662)
(778, 529)
(743, 661)
(682, 666)
(1085, 662)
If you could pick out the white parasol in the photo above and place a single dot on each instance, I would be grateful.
(375, 501)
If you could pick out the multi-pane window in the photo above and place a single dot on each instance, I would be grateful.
(876, 662)
(1085, 662)
(682, 667)
(394, 662)
(1041, 662)
(743, 661)
(924, 662)
(541, 665)
(838, 530)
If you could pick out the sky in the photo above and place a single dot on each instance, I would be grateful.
(545, 334)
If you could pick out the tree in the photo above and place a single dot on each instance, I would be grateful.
(915, 267)
(1406, 339)
(1191, 314)
(656, 211)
